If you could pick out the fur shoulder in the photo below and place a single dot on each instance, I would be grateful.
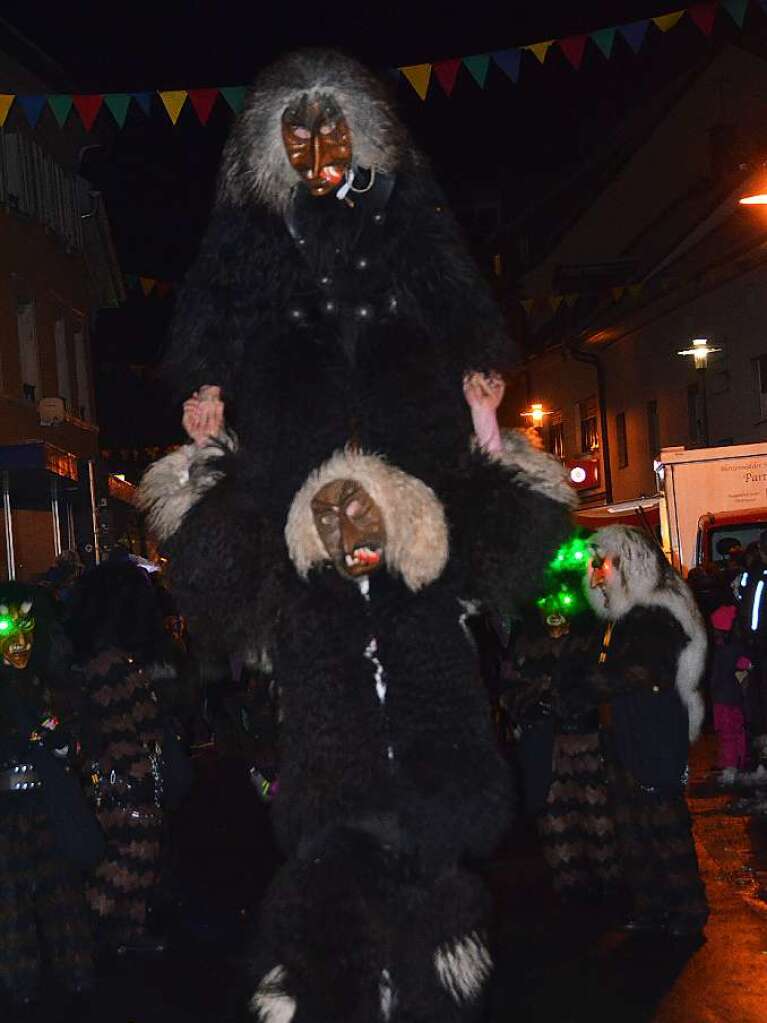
(535, 469)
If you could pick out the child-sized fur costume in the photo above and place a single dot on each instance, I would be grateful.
(390, 779)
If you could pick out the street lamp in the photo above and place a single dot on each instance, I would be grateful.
(700, 352)
(535, 414)
(757, 199)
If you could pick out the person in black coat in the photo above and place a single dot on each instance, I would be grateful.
(652, 660)
(43, 915)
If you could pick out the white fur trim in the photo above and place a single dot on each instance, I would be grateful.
(537, 470)
(416, 528)
(387, 995)
(645, 579)
(172, 485)
(270, 1001)
(463, 968)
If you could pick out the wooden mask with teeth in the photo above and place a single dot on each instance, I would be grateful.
(317, 142)
(351, 527)
(17, 634)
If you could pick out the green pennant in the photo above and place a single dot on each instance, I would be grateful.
(234, 96)
(117, 104)
(60, 105)
(736, 9)
(477, 66)
(604, 39)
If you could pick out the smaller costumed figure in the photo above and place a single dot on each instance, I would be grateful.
(43, 915)
(558, 739)
(649, 670)
(117, 629)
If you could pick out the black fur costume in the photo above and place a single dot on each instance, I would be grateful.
(381, 801)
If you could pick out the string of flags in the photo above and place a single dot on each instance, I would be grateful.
(551, 303)
(147, 286)
(87, 107)
(574, 47)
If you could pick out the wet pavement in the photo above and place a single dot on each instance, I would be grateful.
(555, 964)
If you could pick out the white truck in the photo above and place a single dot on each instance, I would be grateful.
(711, 497)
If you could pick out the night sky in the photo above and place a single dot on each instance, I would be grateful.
(510, 140)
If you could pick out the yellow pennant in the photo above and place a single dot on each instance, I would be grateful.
(419, 76)
(667, 21)
(147, 283)
(555, 301)
(6, 102)
(618, 293)
(174, 100)
(540, 49)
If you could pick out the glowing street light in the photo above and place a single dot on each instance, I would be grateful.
(700, 352)
(535, 414)
(758, 199)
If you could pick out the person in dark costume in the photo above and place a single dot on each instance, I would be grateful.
(561, 751)
(333, 301)
(649, 671)
(389, 775)
(117, 630)
(42, 908)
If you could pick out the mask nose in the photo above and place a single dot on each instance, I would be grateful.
(316, 155)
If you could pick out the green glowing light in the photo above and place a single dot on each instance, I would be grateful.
(5, 624)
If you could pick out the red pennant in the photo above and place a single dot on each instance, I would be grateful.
(445, 72)
(203, 101)
(703, 15)
(162, 288)
(88, 108)
(573, 48)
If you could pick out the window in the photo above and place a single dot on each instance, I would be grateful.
(35, 185)
(653, 430)
(29, 358)
(589, 431)
(62, 363)
(81, 372)
(760, 375)
(557, 435)
(620, 430)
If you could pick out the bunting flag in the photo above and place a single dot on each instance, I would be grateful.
(551, 303)
(574, 49)
(146, 286)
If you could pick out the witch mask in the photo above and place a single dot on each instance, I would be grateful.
(317, 142)
(351, 527)
(17, 634)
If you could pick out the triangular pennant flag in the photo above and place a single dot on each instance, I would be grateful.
(445, 72)
(203, 101)
(60, 105)
(573, 48)
(477, 65)
(667, 21)
(147, 283)
(173, 101)
(144, 100)
(6, 102)
(509, 61)
(634, 33)
(634, 290)
(131, 280)
(540, 49)
(527, 304)
(618, 293)
(418, 75)
(234, 96)
(604, 39)
(162, 288)
(736, 9)
(703, 16)
(571, 298)
(117, 103)
(88, 108)
(555, 301)
(32, 107)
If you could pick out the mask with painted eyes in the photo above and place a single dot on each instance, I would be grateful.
(351, 527)
(17, 634)
(317, 141)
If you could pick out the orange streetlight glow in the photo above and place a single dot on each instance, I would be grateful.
(535, 413)
(700, 352)
(759, 199)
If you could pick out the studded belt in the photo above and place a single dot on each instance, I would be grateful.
(20, 778)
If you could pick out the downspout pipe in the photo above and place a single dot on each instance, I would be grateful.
(595, 362)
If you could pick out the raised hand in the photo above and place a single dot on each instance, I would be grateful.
(203, 416)
(484, 393)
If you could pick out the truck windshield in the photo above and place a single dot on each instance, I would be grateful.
(723, 538)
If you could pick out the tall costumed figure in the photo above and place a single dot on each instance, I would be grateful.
(358, 500)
